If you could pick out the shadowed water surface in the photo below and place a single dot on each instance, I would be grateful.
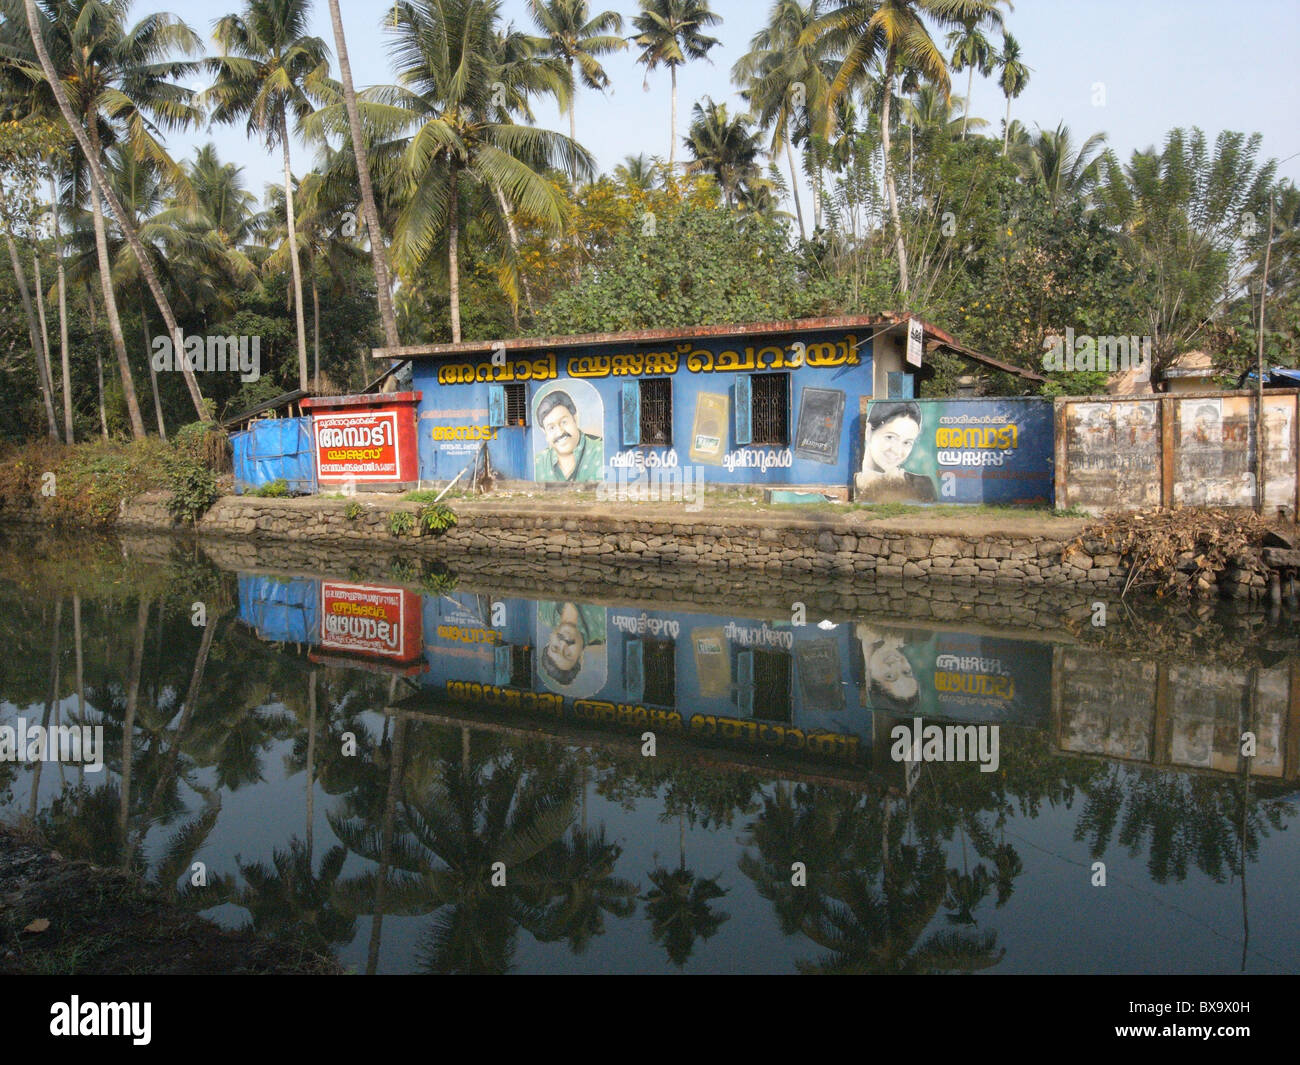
(429, 771)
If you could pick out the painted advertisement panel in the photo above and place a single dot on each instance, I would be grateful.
(356, 444)
(956, 451)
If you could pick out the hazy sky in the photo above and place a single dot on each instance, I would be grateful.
(1162, 64)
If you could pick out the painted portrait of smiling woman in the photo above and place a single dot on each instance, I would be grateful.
(888, 438)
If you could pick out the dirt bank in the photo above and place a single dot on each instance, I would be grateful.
(61, 917)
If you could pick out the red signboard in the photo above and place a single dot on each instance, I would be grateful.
(360, 444)
(366, 439)
(369, 620)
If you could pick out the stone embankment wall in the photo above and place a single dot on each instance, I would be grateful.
(1044, 554)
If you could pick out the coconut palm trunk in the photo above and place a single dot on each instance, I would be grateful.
(153, 376)
(88, 143)
(891, 191)
(110, 302)
(794, 187)
(299, 318)
(672, 129)
(315, 328)
(33, 330)
(453, 255)
(513, 232)
(62, 282)
(47, 366)
(378, 251)
(1006, 132)
(970, 84)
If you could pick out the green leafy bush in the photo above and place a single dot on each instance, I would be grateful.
(194, 490)
(437, 517)
(277, 489)
(401, 522)
(353, 510)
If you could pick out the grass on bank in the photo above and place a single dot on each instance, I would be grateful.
(85, 485)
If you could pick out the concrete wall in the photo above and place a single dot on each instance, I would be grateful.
(1129, 453)
(847, 548)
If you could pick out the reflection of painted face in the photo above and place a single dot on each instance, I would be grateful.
(561, 431)
(892, 442)
(565, 646)
(891, 670)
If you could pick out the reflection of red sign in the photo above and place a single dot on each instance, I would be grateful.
(370, 620)
(360, 444)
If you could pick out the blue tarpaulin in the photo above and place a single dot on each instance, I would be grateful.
(280, 609)
(275, 449)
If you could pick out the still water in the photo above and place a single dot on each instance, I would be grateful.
(424, 770)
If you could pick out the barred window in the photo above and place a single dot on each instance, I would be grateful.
(660, 668)
(521, 664)
(771, 406)
(516, 404)
(657, 411)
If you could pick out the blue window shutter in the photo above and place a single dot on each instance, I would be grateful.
(902, 386)
(745, 681)
(633, 669)
(744, 411)
(631, 413)
(501, 664)
(496, 406)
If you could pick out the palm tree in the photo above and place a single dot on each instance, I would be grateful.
(1065, 172)
(785, 79)
(120, 79)
(459, 141)
(724, 146)
(892, 31)
(378, 250)
(1013, 76)
(575, 36)
(669, 33)
(638, 172)
(972, 50)
(928, 112)
(268, 62)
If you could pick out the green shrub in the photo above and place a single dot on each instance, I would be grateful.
(277, 489)
(401, 522)
(437, 517)
(205, 443)
(194, 490)
(353, 510)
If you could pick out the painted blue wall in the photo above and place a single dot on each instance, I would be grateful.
(836, 360)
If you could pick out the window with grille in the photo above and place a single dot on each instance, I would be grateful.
(770, 411)
(657, 411)
(772, 686)
(516, 404)
(521, 664)
(660, 667)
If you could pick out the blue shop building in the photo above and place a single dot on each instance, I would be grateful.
(779, 404)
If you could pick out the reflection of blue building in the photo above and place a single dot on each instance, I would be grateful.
(747, 681)
(818, 691)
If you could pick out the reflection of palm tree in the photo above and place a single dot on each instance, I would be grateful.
(290, 900)
(679, 910)
(678, 906)
(588, 889)
(451, 827)
(965, 892)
